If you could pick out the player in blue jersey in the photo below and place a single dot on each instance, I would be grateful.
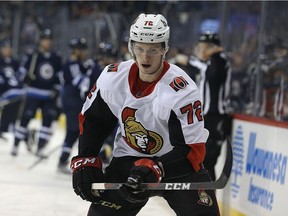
(10, 89)
(79, 73)
(107, 54)
(40, 71)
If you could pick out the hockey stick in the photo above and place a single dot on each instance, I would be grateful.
(5, 102)
(31, 72)
(40, 159)
(213, 185)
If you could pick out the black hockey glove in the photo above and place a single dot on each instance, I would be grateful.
(144, 171)
(85, 171)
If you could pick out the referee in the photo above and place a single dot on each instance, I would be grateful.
(212, 73)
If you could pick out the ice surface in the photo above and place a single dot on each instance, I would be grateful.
(43, 191)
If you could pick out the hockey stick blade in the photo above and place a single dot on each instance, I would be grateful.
(41, 159)
(220, 183)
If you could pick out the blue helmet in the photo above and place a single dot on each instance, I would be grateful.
(107, 49)
(78, 43)
(209, 37)
(46, 34)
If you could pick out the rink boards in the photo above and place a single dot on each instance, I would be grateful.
(259, 179)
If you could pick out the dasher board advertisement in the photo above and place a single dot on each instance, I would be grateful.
(259, 178)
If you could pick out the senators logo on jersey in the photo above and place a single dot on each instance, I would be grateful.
(137, 136)
(204, 198)
(178, 83)
(113, 67)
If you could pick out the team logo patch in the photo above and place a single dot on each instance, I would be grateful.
(46, 71)
(204, 198)
(113, 67)
(137, 136)
(178, 83)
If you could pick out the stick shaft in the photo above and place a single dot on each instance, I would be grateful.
(220, 183)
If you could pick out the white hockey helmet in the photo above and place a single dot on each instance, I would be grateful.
(149, 28)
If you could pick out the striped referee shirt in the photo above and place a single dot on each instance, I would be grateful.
(213, 79)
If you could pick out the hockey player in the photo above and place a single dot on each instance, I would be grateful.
(161, 135)
(11, 90)
(107, 54)
(41, 71)
(77, 76)
(212, 73)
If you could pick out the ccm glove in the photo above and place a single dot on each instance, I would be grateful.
(85, 171)
(144, 171)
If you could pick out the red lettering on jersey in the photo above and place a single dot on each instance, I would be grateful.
(190, 110)
(198, 110)
(148, 23)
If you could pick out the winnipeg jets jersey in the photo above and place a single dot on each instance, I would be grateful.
(144, 117)
(42, 72)
(9, 85)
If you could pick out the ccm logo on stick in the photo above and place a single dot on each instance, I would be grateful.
(177, 186)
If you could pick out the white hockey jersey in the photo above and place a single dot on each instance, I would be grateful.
(143, 117)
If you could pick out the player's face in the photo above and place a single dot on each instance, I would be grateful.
(6, 52)
(148, 57)
(83, 54)
(46, 44)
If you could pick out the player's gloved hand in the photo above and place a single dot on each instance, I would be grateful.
(54, 94)
(144, 171)
(85, 171)
(84, 86)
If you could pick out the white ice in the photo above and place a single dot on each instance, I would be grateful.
(42, 190)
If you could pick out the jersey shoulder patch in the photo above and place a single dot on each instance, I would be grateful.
(113, 67)
(178, 83)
